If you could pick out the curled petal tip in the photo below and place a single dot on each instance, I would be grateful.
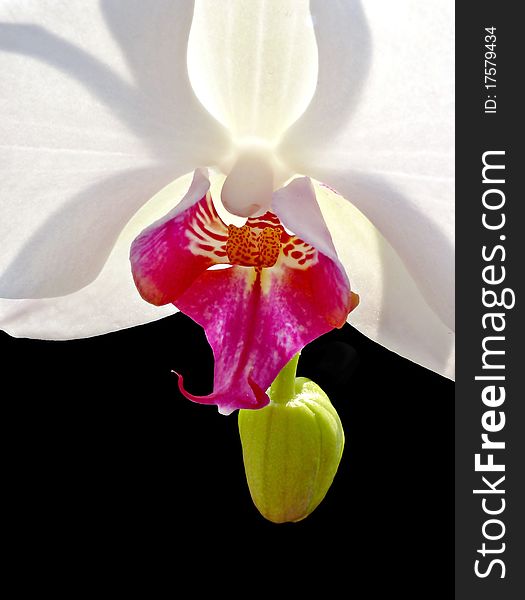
(229, 401)
(261, 396)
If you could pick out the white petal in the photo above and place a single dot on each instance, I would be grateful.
(109, 303)
(297, 208)
(392, 309)
(393, 154)
(344, 50)
(253, 64)
(97, 116)
(384, 92)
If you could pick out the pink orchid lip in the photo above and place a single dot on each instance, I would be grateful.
(279, 293)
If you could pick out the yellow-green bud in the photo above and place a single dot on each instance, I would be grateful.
(291, 451)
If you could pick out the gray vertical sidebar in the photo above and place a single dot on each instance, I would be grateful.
(490, 398)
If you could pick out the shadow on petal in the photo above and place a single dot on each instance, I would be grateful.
(427, 253)
(153, 38)
(169, 123)
(100, 81)
(345, 51)
(399, 260)
(70, 248)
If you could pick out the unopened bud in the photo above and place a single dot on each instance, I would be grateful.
(291, 452)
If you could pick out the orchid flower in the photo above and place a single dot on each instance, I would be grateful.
(327, 121)
(279, 294)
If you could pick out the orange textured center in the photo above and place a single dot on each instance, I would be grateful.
(249, 248)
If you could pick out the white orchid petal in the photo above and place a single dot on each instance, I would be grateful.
(392, 309)
(249, 185)
(344, 50)
(297, 208)
(393, 154)
(384, 91)
(97, 116)
(253, 64)
(111, 302)
(415, 216)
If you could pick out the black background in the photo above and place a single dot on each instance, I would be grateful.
(109, 467)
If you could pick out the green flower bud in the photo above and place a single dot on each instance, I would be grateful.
(291, 450)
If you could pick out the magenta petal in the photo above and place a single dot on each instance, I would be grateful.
(170, 254)
(281, 292)
(256, 321)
